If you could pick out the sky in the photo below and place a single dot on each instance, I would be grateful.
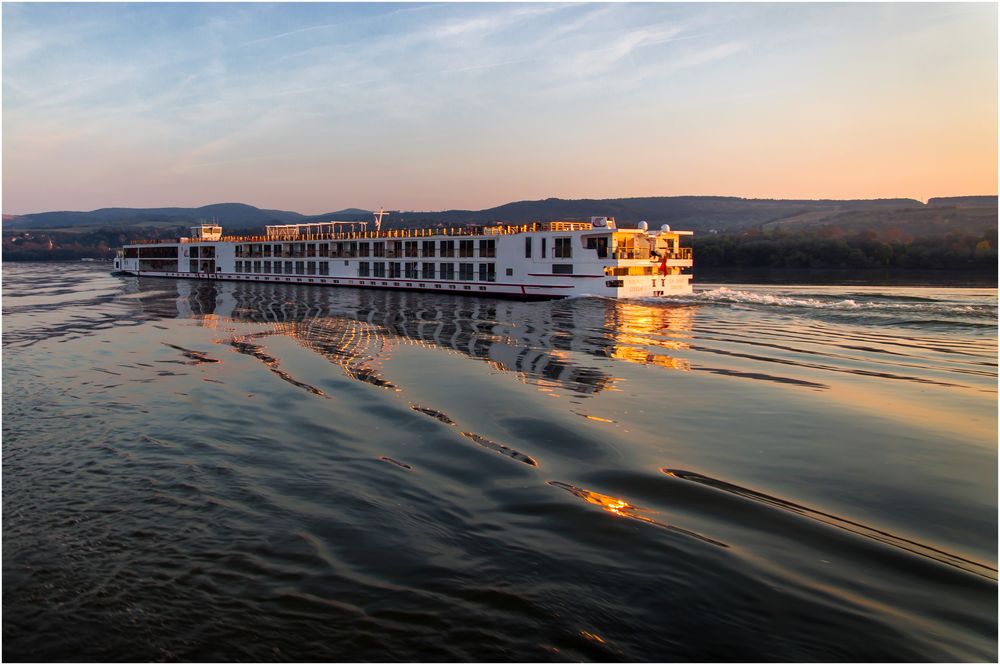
(318, 107)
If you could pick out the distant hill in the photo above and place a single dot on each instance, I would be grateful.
(712, 214)
(964, 201)
(897, 223)
(238, 214)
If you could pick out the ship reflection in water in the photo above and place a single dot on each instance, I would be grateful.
(358, 330)
(205, 471)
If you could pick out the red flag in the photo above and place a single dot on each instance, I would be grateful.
(663, 265)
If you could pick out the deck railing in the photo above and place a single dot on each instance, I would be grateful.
(644, 253)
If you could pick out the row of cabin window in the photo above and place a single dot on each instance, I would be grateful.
(290, 267)
(562, 248)
(410, 270)
(392, 248)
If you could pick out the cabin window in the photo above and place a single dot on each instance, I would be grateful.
(310, 267)
(239, 266)
(543, 247)
(194, 253)
(465, 272)
(527, 247)
(621, 271)
(562, 268)
(379, 268)
(428, 271)
(448, 248)
(410, 248)
(410, 269)
(562, 248)
(487, 272)
(378, 249)
(447, 271)
(324, 249)
(363, 269)
(600, 244)
(352, 248)
(487, 248)
(267, 250)
(324, 268)
(158, 252)
(395, 269)
(300, 267)
(510, 272)
(311, 250)
(428, 248)
(363, 249)
(267, 267)
(465, 248)
(256, 266)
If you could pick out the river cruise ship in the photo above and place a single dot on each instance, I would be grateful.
(534, 261)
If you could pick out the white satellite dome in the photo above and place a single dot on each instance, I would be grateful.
(643, 226)
(665, 228)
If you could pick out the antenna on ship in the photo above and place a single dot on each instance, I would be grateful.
(378, 219)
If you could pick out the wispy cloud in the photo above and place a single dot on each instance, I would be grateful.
(282, 35)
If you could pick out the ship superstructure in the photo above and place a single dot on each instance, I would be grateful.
(541, 260)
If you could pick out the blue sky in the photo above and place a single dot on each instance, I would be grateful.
(314, 107)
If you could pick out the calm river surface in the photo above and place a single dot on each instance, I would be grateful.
(219, 471)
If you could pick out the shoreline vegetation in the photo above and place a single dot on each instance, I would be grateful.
(832, 249)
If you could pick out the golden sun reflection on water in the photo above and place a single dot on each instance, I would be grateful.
(622, 508)
(638, 327)
(612, 504)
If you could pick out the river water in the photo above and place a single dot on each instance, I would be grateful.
(219, 471)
